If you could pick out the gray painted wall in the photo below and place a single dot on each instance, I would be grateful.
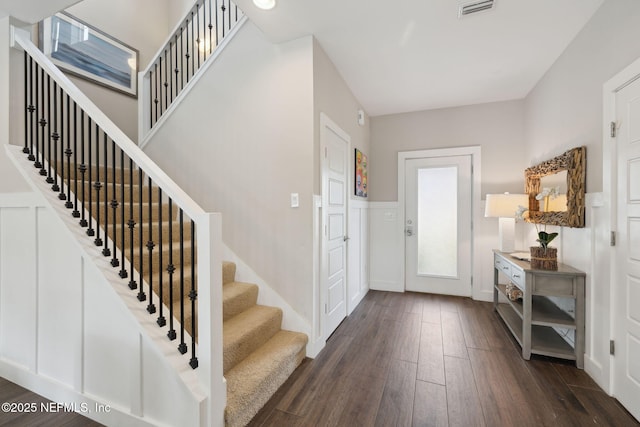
(497, 127)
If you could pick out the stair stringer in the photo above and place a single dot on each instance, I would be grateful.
(156, 385)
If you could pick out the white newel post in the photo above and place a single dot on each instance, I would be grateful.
(209, 241)
(144, 107)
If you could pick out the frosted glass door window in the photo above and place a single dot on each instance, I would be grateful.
(438, 221)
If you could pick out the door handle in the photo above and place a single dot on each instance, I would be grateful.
(345, 238)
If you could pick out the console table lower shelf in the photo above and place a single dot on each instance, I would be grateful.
(545, 340)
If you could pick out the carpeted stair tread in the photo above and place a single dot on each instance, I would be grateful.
(238, 297)
(155, 263)
(253, 381)
(98, 173)
(154, 214)
(131, 193)
(155, 232)
(244, 333)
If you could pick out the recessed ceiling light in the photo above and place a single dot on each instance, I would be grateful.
(265, 4)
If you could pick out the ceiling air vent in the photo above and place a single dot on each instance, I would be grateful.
(474, 7)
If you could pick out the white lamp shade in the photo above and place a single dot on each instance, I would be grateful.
(504, 205)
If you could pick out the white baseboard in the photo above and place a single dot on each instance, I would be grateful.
(597, 373)
(55, 391)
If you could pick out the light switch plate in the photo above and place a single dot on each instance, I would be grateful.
(295, 200)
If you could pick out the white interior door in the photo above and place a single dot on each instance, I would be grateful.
(438, 225)
(335, 155)
(627, 284)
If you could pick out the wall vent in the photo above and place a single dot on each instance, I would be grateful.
(474, 7)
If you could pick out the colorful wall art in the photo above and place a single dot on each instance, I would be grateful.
(361, 174)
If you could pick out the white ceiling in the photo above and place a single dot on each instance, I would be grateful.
(32, 11)
(410, 55)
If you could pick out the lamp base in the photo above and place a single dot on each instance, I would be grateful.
(507, 232)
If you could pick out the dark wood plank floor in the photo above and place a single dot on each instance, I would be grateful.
(12, 393)
(426, 360)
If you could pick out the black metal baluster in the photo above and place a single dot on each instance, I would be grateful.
(176, 69)
(63, 134)
(171, 269)
(123, 271)
(157, 99)
(223, 8)
(193, 51)
(161, 320)
(42, 122)
(161, 83)
(202, 49)
(27, 77)
(141, 294)
(68, 152)
(76, 213)
(32, 109)
(98, 186)
(198, 40)
(151, 308)
(193, 295)
(132, 224)
(114, 206)
(47, 171)
(211, 28)
(56, 137)
(90, 231)
(180, 65)
(151, 98)
(182, 347)
(105, 184)
(167, 79)
(187, 55)
(83, 170)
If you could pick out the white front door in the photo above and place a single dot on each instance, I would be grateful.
(334, 145)
(438, 225)
(627, 282)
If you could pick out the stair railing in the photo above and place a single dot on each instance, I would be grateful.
(198, 37)
(102, 178)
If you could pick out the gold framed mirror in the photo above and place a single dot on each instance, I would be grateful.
(574, 163)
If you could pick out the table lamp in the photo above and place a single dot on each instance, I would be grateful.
(504, 207)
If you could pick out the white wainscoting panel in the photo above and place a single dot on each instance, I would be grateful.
(59, 285)
(358, 254)
(71, 330)
(385, 261)
(18, 275)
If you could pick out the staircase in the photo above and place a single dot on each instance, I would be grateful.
(258, 355)
(148, 227)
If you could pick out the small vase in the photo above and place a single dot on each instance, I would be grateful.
(544, 258)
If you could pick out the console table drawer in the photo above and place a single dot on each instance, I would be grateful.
(554, 286)
(502, 266)
(517, 277)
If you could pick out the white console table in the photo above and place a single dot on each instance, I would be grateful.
(532, 320)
